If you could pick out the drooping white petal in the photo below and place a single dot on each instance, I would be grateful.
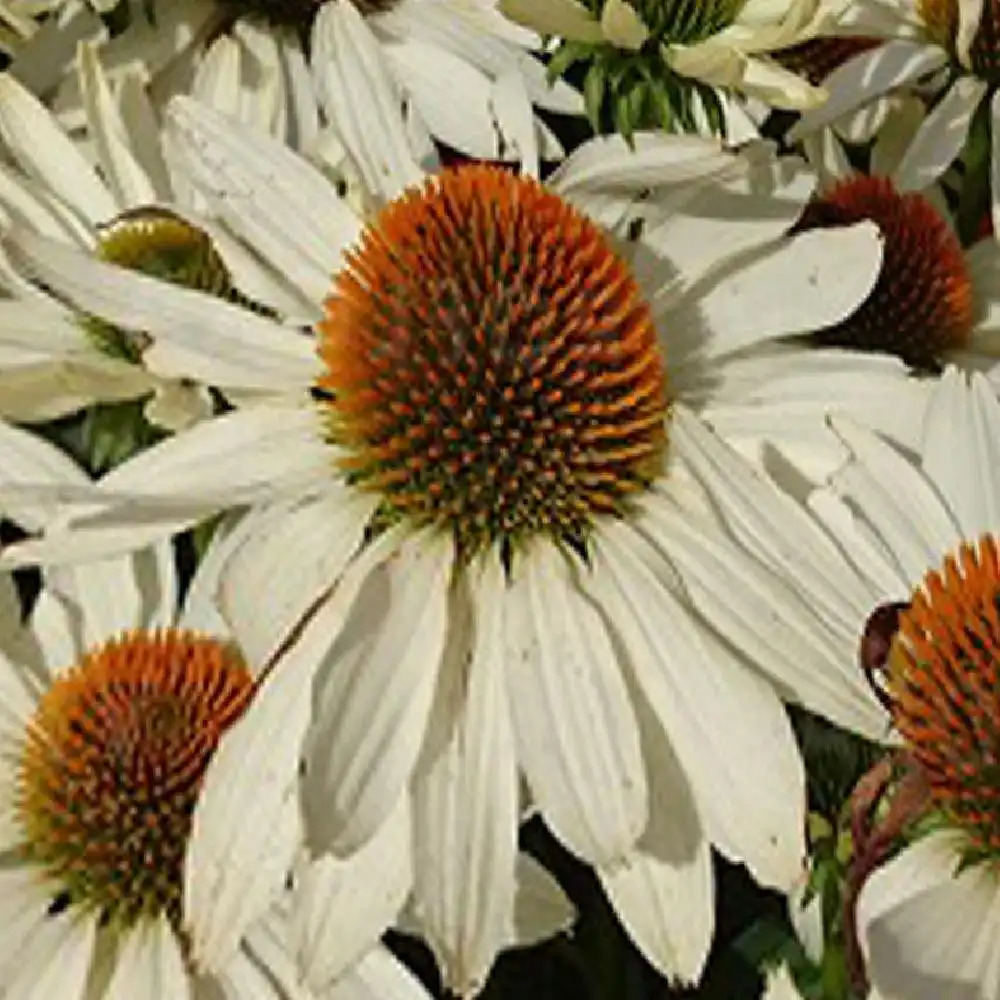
(105, 592)
(764, 617)
(466, 800)
(575, 727)
(257, 185)
(751, 210)
(541, 908)
(28, 459)
(143, 129)
(515, 118)
(717, 713)
(54, 961)
(663, 893)
(867, 553)
(341, 907)
(824, 275)
(149, 964)
(941, 136)
(461, 113)
(378, 976)
(913, 949)
(899, 502)
(770, 525)
(961, 440)
(45, 152)
(653, 159)
(124, 175)
(870, 75)
(235, 346)
(373, 704)
(568, 19)
(247, 823)
(282, 558)
(362, 100)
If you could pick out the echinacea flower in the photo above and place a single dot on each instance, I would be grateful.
(947, 47)
(483, 497)
(908, 557)
(122, 774)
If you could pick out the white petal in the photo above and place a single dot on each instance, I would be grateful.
(824, 275)
(106, 593)
(566, 18)
(247, 820)
(466, 801)
(31, 460)
(461, 113)
(361, 99)
(54, 962)
(378, 976)
(143, 129)
(762, 615)
(541, 908)
(24, 911)
(654, 159)
(343, 906)
(770, 525)
(752, 210)
(256, 184)
(149, 964)
(664, 892)
(961, 440)
(128, 181)
(374, 702)
(239, 347)
(899, 502)
(869, 75)
(718, 714)
(45, 152)
(516, 119)
(282, 558)
(576, 731)
(941, 137)
(622, 26)
(912, 951)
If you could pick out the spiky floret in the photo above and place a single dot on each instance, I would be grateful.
(941, 19)
(922, 305)
(491, 366)
(112, 764)
(944, 686)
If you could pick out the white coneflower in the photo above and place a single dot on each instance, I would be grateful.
(120, 792)
(951, 47)
(491, 483)
(906, 577)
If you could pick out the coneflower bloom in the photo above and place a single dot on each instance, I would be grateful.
(123, 775)
(481, 467)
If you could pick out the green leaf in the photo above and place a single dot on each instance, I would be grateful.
(114, 432)
(568, 54)
(594, 85)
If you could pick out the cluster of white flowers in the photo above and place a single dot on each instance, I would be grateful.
(420, 419)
